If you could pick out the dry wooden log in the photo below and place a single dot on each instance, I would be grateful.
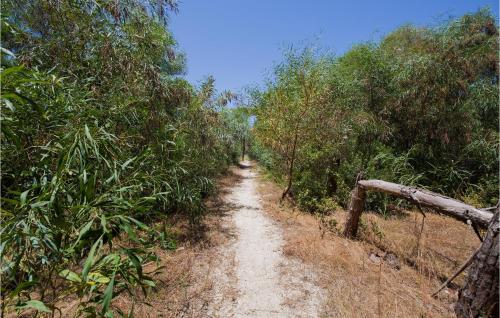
(421, 197)
(436, 201)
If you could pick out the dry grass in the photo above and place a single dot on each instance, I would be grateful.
(360, 286)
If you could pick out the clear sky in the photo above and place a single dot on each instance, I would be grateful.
(237, 41)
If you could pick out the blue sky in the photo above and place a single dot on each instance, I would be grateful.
(238, 41)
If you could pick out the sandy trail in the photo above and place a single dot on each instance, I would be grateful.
(252, 277)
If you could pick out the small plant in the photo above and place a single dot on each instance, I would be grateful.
(370, 230)
(375, 228)
(328, 223)
(327, 206)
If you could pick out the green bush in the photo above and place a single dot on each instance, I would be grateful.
(419, 108)
(100, 140)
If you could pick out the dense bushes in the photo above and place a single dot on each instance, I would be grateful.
(418, 108)
(99, 139)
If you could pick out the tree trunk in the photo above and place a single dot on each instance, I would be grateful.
(479, 296)
(290, 169)
(289, 185)
(243, 150)
(358, 196)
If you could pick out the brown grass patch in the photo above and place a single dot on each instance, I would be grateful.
(360, 286)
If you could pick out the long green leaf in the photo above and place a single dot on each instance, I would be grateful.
(108, 295)
(34, 304)
(90, 259)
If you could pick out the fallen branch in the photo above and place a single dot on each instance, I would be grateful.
(459, 270)
(422, 198)
(479, 296)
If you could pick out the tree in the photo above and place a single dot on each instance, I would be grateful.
(418, 108)
(289, 112)
(479, 296)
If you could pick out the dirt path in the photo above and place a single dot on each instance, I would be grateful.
(252, 277)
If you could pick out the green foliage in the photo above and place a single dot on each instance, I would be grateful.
(100, 140)
(290, 112)
(418, 108)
